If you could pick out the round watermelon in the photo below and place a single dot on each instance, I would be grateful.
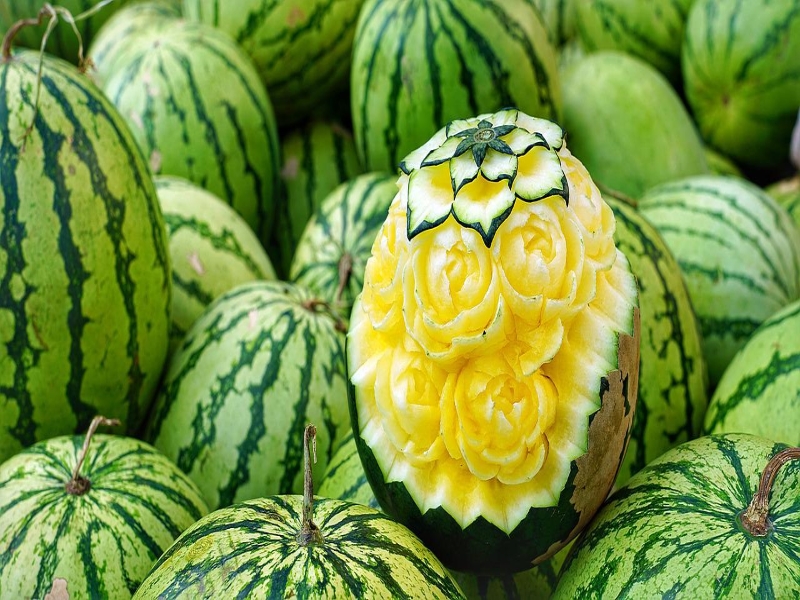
(758, 392)
(494, 349)
(696, 523)
(263, 360)
(84, 266)
(89, 521)
(298, 546)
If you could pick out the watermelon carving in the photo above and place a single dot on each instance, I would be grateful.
(494, 349)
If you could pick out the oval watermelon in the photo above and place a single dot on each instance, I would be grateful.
(84, 266)
(677, 529)
(92, 520)
(262, 361)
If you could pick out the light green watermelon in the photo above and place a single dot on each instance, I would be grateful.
(739, 252)
(199, 111)
(787, 193)
(262, 361)
(317, 157)
(627, 124)
(680, 529)
(84, 266)
(212, 250)
(759, 392)
(89, 523)
(408, 82)
(333, 250)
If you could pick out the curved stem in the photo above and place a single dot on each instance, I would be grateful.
(79, 485)
(309, 532)
(345, 272)
(45, 11)
(755, 517)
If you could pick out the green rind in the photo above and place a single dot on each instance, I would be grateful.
(672, 372)
(559, 18)
(250, 551)
(651, 31)
(758, 392)
(198, 110)
(673, 531)
(212, 250)
(739, 253)
(262, 362)
(316, 159)
(419, 64)
(62, 41)
(341, 233)
(301, 49)
(741, 67)
(787, 193)
(84, 267)
(719, 164)
(103, 543)
(627, 124)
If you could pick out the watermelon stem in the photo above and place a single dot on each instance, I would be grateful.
(46, 11)
(316, 305)
(309, 532)
(622, 197)
(755, 517)
(78, 485)
(345, 272)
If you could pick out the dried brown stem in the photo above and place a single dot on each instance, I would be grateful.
(755, 518)
(78, 484)
(309, 532)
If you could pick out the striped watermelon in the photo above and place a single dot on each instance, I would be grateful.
(198, 110)
(212, 250)
(758, 392)
(418, 64)
(652, 31)
(345, 480)
(740, 63)
(317, 157)
(131, 20)
(719, 164)
(301, 48)
(84, 267)
(559, 19)
(787, 193)
(264, 359)
(295, 546)
(95, 535)
(337, 241)
(494, 349)
(672, 372)
(627, 124)
(739, 253)
(62, 40)
(678, 528)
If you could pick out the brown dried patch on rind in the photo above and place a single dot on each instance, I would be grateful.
(608, 435)
(58, 591)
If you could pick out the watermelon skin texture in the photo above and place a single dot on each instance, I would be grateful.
(419, 64)
(199, 111)
(250, 374)
(343, 229)
(674, 531)
(249, 551)
(739, 253)
(758, 392)
(740, 62)
(301, 48)
(317, 158)
(103, 543)
(212, 250)
(84, 268)
(672, 371)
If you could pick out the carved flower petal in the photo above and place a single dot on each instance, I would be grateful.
(414, 160)
(430, 197)
(462, 170)
(460, 125)
(520, 140)
(483, 205)
(540, 175)
(507, 116)
(497, 166)
(443, 153)
(551, 132)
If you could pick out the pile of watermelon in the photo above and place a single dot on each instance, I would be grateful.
(212, 216)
